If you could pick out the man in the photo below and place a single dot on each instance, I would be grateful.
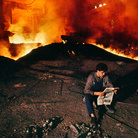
(96, 83)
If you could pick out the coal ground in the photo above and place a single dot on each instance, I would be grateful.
(48, 84)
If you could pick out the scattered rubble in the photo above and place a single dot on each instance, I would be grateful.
(41, 129)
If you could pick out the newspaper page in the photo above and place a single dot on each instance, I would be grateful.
(107, 98)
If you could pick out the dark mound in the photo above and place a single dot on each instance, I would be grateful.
(7, 66)
(64, 51)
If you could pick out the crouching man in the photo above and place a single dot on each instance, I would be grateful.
(96, 83)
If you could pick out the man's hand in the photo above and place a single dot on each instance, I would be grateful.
(99, 93)
(115, 91)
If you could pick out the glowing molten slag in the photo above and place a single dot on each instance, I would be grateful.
(26, 46)
(22, 47)
(119, 52)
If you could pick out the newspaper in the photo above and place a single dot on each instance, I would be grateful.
(107, 98)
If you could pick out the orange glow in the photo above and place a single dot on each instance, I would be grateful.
(111, 25)
(118, 53)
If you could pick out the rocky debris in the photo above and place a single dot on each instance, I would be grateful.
(74, 129)
(81, 130)
(41, 129)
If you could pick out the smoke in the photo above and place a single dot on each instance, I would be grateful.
(110, 23)
(113, 23)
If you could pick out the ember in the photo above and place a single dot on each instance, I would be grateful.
(109, 25)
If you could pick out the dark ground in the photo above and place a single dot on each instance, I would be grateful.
(40, 87)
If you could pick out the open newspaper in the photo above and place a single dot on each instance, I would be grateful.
(107, 98)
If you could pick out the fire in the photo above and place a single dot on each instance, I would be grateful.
(118, 52)
(26, 25)
(19, 37)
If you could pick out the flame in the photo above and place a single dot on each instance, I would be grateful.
(111, 25)
(71, 52)
(118, 52)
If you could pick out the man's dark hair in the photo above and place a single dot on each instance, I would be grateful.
(102, 67)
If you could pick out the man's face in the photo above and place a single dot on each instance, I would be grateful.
(100, 73)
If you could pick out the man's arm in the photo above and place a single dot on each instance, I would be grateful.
(99, 93)
(89, 84)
